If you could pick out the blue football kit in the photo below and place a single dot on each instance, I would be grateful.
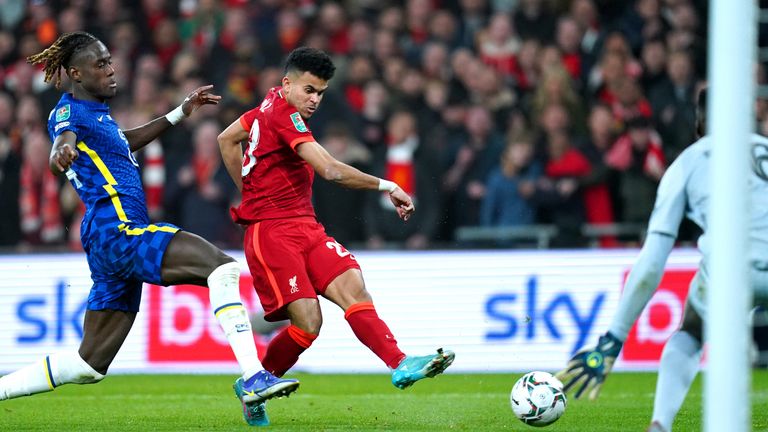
(123, 248)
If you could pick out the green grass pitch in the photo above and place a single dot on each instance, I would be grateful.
(461, 402)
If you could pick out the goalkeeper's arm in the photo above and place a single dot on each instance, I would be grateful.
(588, 368)
(642, 282)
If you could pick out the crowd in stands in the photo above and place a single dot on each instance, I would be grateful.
(490, 113)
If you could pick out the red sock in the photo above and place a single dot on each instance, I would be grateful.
(374, 333)
(284, 350)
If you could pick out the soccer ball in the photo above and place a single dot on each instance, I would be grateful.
(537, 399)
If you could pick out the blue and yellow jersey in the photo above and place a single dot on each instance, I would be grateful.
(106, 174)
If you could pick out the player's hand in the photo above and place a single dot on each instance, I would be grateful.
(403, 203)
(199, 97)
(589, 367)
(63, 157)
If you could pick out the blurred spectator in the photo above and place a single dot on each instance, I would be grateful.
(166, 41)
(507, 200)
(556, 88)
(359, 71)
(616, 62)
(654, 61)
(203, 190)
(153, 12)
(630, 102)
(41, 222)
(604, 130)
(434, 61)
(443, 28)
(199, 26)
(107, 14)
(639, 158)
(71, 19)
(40, 21)
(674, 105)
(290, 30)
(642, 22)
(526, 72)
(498, 45)
(361, 37)
(584, 12)
(373, 114)
(332, 21)
(533, 21)
(341, 210)
(407, 162)
(557, 192)
(470, 159)
(568, 38)
(10, 165)
(599, 185)
(472, 19)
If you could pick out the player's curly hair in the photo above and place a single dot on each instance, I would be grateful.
(60, 53)
(312, 60)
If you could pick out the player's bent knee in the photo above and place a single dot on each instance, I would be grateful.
(301, 337)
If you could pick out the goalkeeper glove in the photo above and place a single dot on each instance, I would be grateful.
(590, 366)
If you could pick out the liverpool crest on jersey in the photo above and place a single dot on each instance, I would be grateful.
(298, 122)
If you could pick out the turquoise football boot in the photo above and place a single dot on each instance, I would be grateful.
(255, 414)
(414, 368)
(256, 390)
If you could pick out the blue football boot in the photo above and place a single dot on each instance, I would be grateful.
(414, 368)
(257, 389)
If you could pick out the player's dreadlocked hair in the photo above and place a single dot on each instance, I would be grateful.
(314, 61)
(60, 53)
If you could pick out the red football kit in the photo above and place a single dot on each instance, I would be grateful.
(288, 252)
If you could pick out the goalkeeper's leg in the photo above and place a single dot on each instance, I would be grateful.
(679, 366)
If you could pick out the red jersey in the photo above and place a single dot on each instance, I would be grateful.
(277, 182)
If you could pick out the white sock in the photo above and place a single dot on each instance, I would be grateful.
(224, 291)
(44, 376)
(679, 366)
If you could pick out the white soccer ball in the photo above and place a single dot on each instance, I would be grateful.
(537, 399)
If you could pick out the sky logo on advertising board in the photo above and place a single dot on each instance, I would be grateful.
(43, 318)
(660, 318)
(537, 313)
(182, 327)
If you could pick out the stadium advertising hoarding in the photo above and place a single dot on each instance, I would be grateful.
(500, 311)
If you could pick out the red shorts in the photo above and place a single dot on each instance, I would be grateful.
(291, 259)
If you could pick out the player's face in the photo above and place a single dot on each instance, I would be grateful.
(95, 73)
(304, 92)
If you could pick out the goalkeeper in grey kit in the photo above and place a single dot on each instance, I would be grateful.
(683, 191)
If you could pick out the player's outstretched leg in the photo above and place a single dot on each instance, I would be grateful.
(414, 368)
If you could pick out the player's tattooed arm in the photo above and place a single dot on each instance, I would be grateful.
(140, 136)
(63, 152)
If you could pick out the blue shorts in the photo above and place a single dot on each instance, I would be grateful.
(121, 259)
